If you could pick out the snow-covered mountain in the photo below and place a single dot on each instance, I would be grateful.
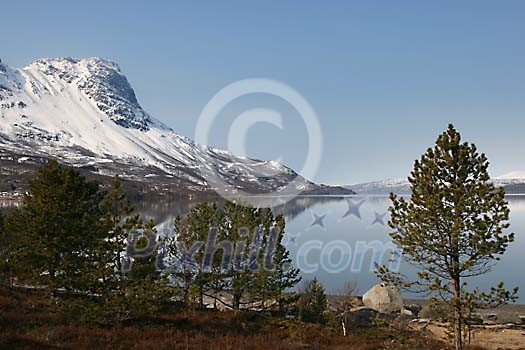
(512, 177)
(384, 187)
(513, 182)
(85, 113)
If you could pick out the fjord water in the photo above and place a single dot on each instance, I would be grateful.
(344, 250)
(510, 269)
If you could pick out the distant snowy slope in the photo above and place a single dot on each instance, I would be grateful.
(85, 113)
(512, 177)
(385, 187)
(513, 182)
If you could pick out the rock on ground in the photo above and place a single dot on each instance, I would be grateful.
(383, 298)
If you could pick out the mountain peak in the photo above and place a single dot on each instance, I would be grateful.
(101, 80)
(76, 64)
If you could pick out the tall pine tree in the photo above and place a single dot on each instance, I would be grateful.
(452, 228)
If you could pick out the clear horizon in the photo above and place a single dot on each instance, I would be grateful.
(384, 79)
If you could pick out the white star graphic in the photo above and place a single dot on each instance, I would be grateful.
(318, 220)
(379, 218)
(353, 209)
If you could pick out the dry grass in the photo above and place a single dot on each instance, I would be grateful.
(28, 321)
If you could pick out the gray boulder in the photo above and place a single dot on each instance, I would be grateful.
(413, 308)
(360, 317)
(383, 298)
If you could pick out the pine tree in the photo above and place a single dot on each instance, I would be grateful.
(260, 288)
(57, 229)
(313, 302)
(180, 266)
(452, 228)
(145, 289)
(201, 220)
(117, 221)
(245, 229)
(130, 286)
(217, 272)
(276, 273)
(285, 276)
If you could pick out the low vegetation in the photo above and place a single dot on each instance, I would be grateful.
(30, 320)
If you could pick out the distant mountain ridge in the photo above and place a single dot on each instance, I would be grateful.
(513, 182)
(85, 113)
(384, 187)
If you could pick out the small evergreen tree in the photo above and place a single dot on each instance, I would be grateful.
(188, 265)
(143, 288)
(243, 228)
(452, 228)
(313, 302)
(281, 275)
(56, 230)
(260, 288)
(130, 287)
(201, 219)
(180, 267)
(118, 220)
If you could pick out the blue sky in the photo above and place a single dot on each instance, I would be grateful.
(384, 77)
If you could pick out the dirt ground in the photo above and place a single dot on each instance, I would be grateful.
(489, 337)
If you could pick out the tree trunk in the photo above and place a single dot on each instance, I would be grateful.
(236, 301)
(201, 297)
(458, 338)
(186, 289)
